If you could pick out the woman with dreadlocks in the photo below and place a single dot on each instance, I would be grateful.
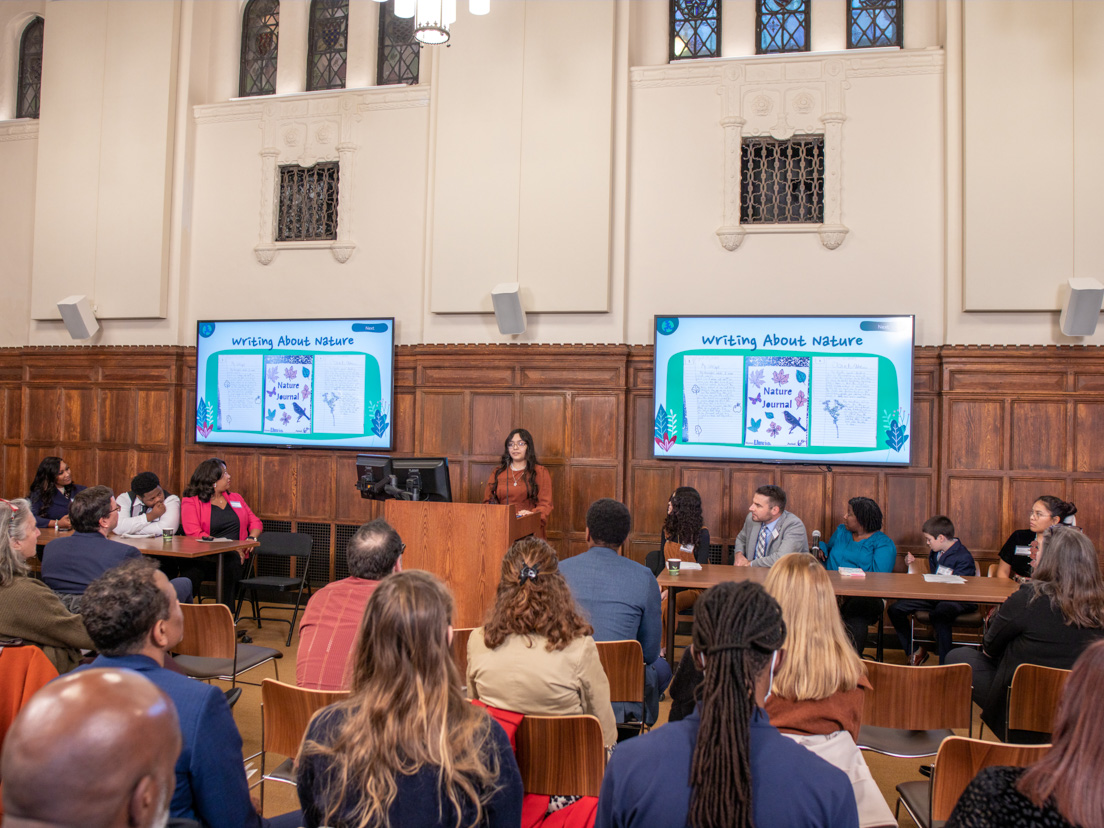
(725, 765)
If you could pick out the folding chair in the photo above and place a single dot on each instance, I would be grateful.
(291, 547)
(209, 648)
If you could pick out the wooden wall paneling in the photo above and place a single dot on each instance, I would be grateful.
(404, 427)
(545, 417)
(43, 417)
(710, 483)
(83, 461)
(1088, 496)
(478, 475)
(158, 462)
(806, 497)
(441, 418)
(855, 482)
(492, 418)
(923, 431)
(647, 493)
(743, 480)
(974, 503)
(976, 432)
(115, 469)
(347, 504)
(558, 521)
(1038, 435)
(272, 492)
(641, 428)
(15, 482)
(1088, 436)
(117, 413)
(909, 501)
(79, 416)
(156, 420)
(11, 397)
(584, 485)
(315, 484)
(1022, 492)
(597, 426)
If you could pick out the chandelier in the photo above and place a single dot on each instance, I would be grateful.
(432, 18)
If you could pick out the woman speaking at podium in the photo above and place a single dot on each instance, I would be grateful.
(520, 480)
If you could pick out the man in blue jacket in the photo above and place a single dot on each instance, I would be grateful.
(620, 597)
(947, 557)
(134, 619)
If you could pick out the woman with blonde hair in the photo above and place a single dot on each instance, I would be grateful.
(406, 747)
(536, 654)
(817, 694)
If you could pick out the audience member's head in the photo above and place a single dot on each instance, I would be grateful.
(52, 473)
(939, 525)
(1069, 575)
(204, 478)
(738, 628)
(406, 709)
(819, 658)
(131, 609)
(95, 749)
(374, 550)
(1068, 777)
(93, 510)
(608, 522)
(147, 488)
(18, 534)
(683, 523)
(1055, 510)
(774, 495)
(866, 515)
(533, 598)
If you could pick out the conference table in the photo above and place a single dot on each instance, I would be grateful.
(180, 546)
(976, 590)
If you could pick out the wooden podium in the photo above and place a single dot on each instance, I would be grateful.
(462, 544)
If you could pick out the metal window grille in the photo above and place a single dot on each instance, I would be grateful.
(260, 39)
(30, 70)
(782, 182)
(328, 40)
(343, 533)
(781, 26)
(873, 23)
(308, 202)
(398, 52)
(320, 533)
(695, 29)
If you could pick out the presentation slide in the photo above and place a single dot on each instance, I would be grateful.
(799, 389)
(310, 382)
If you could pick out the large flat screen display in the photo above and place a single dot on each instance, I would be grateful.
(313, 383)
(784, 389)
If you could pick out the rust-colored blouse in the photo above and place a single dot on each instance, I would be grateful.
(840, 711)
(513, 489)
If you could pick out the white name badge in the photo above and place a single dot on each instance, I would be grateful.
(774, 534)
(944, 570)
(1023, 551)
(687, 547)
(236, 504)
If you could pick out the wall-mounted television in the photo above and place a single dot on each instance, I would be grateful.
(311, 383)
(784, 389)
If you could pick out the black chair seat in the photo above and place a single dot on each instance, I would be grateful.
(205, 668)
(284, 772)
(290, 547)
(967, 619)
(916, 797)
(270, 582)
(906, 744)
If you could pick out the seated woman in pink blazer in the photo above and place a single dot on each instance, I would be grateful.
(209, 509)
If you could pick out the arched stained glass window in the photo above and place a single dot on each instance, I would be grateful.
(695, 29)
(781, 26)
(873, 23)
(260, 38)
(327, 42)
(30, 70)
(398, 52)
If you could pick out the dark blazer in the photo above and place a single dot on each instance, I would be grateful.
(958, 558)
(71, 563)
(57, 508)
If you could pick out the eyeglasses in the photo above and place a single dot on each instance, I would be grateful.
(1038, 514)
(516, 444)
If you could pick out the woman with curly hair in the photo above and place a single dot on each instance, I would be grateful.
(535, 654)
(683, 537)
(406, 747)
(51, 493)
(521, 480)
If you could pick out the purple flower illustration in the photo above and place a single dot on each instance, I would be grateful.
(773, 429)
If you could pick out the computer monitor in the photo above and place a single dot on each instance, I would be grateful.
(373, 472)
(423, 478)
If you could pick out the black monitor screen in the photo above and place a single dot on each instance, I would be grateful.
(430, 475)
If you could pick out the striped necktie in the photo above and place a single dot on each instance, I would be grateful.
(761, 542)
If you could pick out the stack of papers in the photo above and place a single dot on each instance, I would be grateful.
(851, 572)
(944, 579)
(690, 565)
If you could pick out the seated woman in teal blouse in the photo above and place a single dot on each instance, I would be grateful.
(859, 542)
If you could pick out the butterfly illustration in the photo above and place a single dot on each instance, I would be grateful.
(758, 398)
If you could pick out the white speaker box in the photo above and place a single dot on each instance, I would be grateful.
(1082, 309)
(78, 316)
(507, 307)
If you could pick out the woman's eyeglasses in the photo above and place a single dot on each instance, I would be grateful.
(516, 444)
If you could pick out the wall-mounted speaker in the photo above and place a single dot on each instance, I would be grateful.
(507, 307)
(1082, 308)
(79, 317)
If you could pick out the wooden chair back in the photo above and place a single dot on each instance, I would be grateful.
(960, 759)
(561, 755)
(286, 711)
(1033, 697)
(460, 638)
(918, 698)
(623, 662)
(208, 631)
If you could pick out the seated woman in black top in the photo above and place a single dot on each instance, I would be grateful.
(51, 493)
(1015, 555)
(1049, 621)
(1061, 790)
(406, 747)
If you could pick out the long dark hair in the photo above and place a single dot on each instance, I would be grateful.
(737, 626)
(204, 478)
(45, 482)
(530, 473)
(1069, 575)
(1068, 774)
(684, 524)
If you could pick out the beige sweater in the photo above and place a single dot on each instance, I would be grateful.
(31, 611)
(523, 676)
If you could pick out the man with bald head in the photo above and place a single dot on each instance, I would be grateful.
(94, 750)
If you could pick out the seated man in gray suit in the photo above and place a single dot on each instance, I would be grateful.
(769, 530)
(620, 597)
